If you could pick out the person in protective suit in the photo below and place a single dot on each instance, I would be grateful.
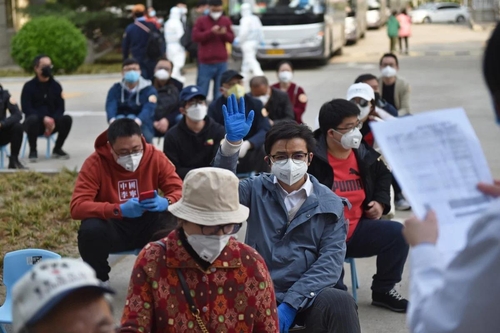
(249, 37)
(174, 30)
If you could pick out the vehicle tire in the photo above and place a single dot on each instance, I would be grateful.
(460, 19)
(427, 19)
(338, 52)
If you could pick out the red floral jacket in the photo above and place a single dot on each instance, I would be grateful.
(235, 294)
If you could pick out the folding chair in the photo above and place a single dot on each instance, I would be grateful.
(15, 265)
(49, 139)
(3, 154)
(354, 277)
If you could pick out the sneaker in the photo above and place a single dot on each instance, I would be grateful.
(14, 163)
(60, 154)
(402, 204)
(33, 156)
(391, 300)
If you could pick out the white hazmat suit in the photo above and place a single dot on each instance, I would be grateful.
(250, 36)
(174, 30)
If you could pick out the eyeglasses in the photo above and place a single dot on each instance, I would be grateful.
(227, 229)
(131, 152)
(283, 158)
(362, 102)
(359, 125)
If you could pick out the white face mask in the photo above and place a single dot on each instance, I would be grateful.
(264, 99)
(364, 111)
(285, 76)
(197, 112)
(162, 74)
(209, 247)
(388, 71)
(289, 172)
(215, 15)
(130, 162)
(351, 139)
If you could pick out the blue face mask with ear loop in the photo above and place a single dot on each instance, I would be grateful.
(131, 76)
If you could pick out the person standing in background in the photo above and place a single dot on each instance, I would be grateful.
(404, 30)
(151, 17)
(174, 30)
(249, 37)
(295, 92)
(393, 31)
(212, 32)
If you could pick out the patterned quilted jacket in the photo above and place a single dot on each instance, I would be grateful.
(235, 294)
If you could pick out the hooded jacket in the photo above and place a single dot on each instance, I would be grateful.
(42, 98)
(375, 176)
(102, 184)
(141, 102)
(174, 29)
(211, 46)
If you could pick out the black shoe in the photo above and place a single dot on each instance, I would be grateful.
(33, 156)
(391, 300)
(60, 154)
(15, 164)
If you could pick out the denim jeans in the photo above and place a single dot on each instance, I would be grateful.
(384, 239)
(208, 72)
(146, 129)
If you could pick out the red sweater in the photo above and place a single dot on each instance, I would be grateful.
(103, 185)
(212, 47)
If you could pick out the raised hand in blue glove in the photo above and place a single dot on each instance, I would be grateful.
(156, 204)
(286, 316)
(235, 120)
(131, 208)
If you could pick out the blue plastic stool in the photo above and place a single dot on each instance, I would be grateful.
(3, 151)
(15, 265)
(354, 277)
(49, 139)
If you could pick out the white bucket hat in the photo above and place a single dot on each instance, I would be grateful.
(361, 90)
(210, 197)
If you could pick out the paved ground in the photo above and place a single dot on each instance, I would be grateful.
(443, 69)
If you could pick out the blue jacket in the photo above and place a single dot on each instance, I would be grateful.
(141, 103)
(135, 40)
(308, 255)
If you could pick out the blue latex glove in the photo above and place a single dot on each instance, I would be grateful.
(131, 208)
(156, 204)
(286, 316)
(236, 123)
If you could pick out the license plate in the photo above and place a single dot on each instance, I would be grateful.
(275, 52)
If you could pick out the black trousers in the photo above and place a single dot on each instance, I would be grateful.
(34, 127)
(333, 310)
(401, 43)
(98, 238)
(13, 135)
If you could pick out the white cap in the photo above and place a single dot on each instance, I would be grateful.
(361, 90)
(46, 285)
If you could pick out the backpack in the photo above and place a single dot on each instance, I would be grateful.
(155, 48)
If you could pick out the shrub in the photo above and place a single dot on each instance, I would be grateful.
(54, 36)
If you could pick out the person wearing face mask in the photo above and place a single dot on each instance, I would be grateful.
(107, 192)
(249, 37)
(296, 93)
(380, 102)
(174, 30)
(251, 154)
(193, 142)
(277, 105)
(394, 89)
(151, 17)
(463, 295)
(295, 223)
(212, 32)
(355, 172)
(134, 97)
(42, 102)
(199, 278)
(167, 112)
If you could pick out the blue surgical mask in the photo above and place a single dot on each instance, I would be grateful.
(152, 13)
(131, 76)
(206, 11)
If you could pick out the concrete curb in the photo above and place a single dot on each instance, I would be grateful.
(72, 77)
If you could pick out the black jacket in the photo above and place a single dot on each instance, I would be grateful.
(42, 98)
(260, 126)
(167, 105)
(374, 173)
(279, 106)
(6, 103)
(189, 150)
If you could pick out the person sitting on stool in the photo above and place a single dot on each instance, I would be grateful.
(11, 130)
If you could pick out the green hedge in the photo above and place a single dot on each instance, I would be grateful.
(54, 36)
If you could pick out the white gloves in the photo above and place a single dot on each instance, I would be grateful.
(245, 146)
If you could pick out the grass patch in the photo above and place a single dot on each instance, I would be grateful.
(34, 213)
